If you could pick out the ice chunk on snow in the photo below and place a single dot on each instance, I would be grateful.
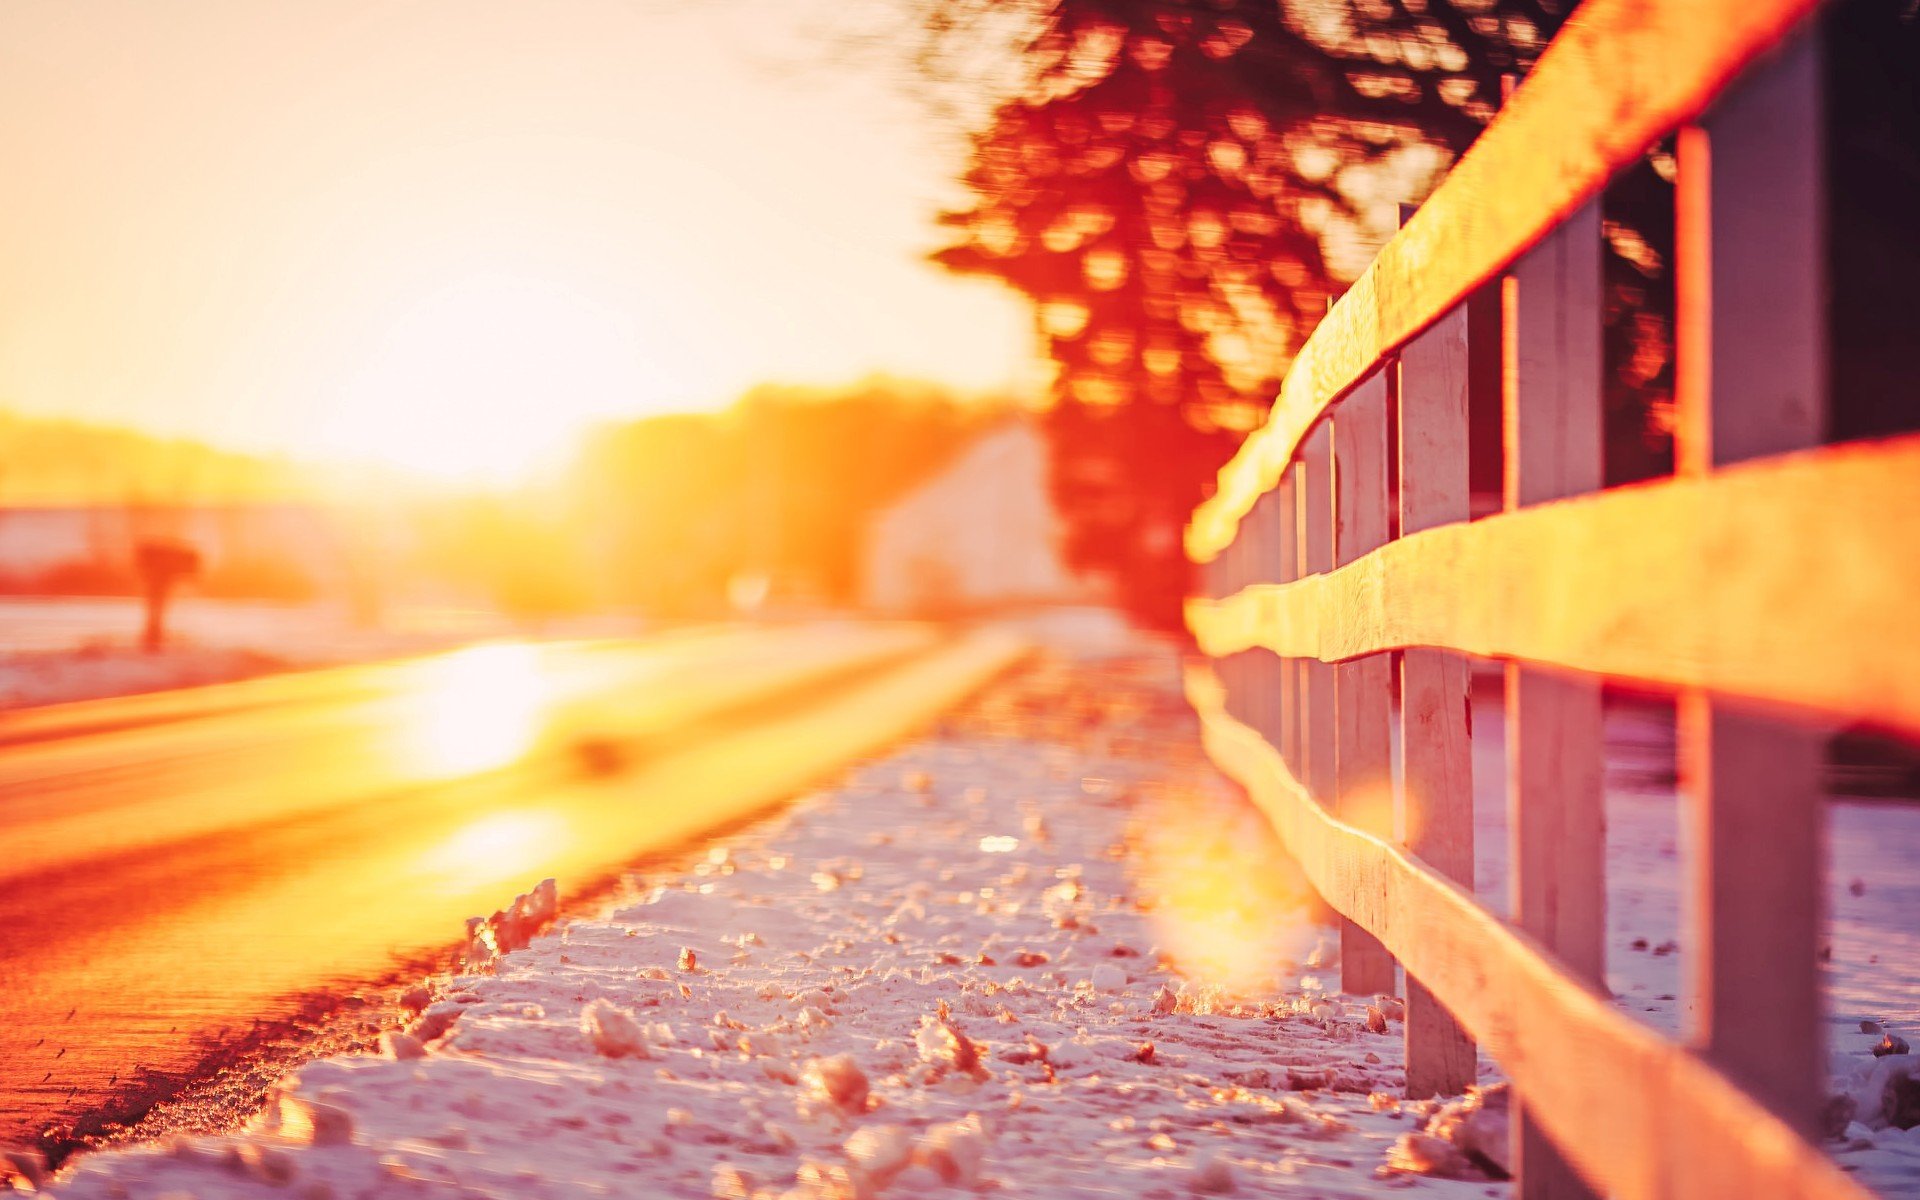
(436, 1020)
(941, 1043)
(613, 1031)
(1109, 977)
(514, 927)
(317, 1124)
(1466, 1138)
(837, 1080)
(1212, 1176)
(880, 1152)
(1885, 1091)
(954, 1151)
(403, 1046)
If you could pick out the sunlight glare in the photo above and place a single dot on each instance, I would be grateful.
(478, 709)
(1228, 902)
(488, 380)
(499, 847)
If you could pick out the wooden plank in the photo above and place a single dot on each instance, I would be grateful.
(1436, 766)
(1752, 319)
(1363, 703)
(1553, 424)
(1261, 533)
(1317, 729)
(1229, 564)
(1313, 484)
(1641, 1117)
(1551, 393)
(1556, 824)
(1287, 553)
(1760, 580)
(1754, 903)
(1619, 75)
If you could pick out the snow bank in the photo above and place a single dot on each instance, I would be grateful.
(951, 976)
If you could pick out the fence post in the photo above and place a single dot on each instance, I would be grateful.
(1363, 749)
(1553, 413)
(1286, 513)
(1263, 669)
(1751, 381)
(1436, 764)
(1228, 669)
(1319, 723)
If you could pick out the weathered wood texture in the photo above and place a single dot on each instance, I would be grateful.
(1619, 75)
(1552, 424)
(1641, 1117)
(1318, 726)
(1759, 580)
(1754, 588)
(1363, 698)
(1753, 380)
(1435, 793)
(1286, 496)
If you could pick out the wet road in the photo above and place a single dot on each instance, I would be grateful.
(174, 866)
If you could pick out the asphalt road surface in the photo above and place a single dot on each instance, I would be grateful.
(174, 867)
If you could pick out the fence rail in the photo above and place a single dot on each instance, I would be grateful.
(1759, 581)
(1641, 1116)
(1620, 75)
(1766, 584)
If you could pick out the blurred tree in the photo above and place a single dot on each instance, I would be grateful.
(780, 487)
(162, 563)
(1181, 185)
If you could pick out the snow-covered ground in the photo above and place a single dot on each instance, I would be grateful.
(1871, 975)
(1045, 952)
(957, 971)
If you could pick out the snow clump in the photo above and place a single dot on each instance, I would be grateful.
(612, 1031)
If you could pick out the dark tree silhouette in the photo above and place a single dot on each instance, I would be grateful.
(162, 563)
(1180, 186)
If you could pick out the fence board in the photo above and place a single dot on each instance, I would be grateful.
(1760, 580)
(1753, 366)
(1363, 748)
(1287, 528)
(1552, 425)
(1318, 728)
(1619, 75)
(1639, 1116)
(1436, 766)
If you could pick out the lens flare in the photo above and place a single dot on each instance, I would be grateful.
(1227, 902)
(477, 710)
(502, 847)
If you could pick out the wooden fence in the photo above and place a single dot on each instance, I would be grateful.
(1768, 583)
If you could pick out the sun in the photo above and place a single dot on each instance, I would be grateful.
(490, 378)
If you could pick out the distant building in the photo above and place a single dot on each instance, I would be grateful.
(980, 535)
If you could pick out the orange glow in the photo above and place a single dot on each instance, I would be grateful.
(504, 346)
(295, 238)
(1228, 900)
(1371, 809)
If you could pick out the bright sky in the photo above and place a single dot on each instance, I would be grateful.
(447, 234)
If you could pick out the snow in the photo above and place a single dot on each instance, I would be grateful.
(1047, 952)
(1871, 974)
(944, 977)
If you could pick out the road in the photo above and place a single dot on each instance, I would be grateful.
(175, 866)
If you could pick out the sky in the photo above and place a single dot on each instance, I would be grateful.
(449, 235)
